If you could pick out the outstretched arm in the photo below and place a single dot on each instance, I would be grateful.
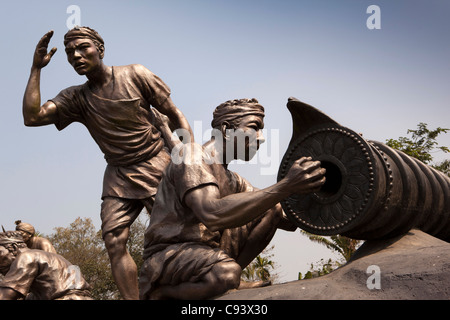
(33, 113)
(235, 210)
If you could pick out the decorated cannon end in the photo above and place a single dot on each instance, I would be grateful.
(371, 191)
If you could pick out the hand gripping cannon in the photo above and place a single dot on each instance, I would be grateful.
(371, 191)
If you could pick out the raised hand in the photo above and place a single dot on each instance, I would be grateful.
(41, 56)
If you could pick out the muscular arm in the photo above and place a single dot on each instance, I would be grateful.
(177, 120)
(162, 123)
(237, 209)
(33, 113)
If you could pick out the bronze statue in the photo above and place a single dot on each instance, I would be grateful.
(208, 223)
(31, 239)
(115, 106)
(371, 192)
(37, 274)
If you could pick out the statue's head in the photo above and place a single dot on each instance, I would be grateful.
(240, 123)
(84, 33)
(84, 48)
(232, 112)
(26, 229)
(10, 244)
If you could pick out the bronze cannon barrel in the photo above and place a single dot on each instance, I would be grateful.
(371, 191)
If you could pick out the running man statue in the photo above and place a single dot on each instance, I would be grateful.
(115, 106)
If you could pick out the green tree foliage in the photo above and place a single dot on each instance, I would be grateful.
(320, 268)
(260, 268)
(83, 246)
(344, 246)
(422, 144)
(443, 166)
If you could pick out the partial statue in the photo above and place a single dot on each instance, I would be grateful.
(371, 192)
(31, 239)
(37, 274)
(115, 104)
(208, 223)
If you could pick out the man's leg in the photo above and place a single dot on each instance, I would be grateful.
(123, 267)
(222, 277)
(117, 216)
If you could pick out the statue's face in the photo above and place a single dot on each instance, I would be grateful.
(84, 56)
(248, 137)
(25, 235)
(6, 258)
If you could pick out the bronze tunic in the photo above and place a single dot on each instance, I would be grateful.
(122, 128)
(178, 246)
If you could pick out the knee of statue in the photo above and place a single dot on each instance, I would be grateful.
(227, 275)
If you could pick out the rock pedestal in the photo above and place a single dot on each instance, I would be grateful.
(413, 266)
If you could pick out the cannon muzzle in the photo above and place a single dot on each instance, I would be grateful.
(371, 191)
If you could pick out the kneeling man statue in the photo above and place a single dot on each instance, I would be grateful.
(208, 223)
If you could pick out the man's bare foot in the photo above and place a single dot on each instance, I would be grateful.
(254, 284)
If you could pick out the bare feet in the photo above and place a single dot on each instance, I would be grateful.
(254, 284)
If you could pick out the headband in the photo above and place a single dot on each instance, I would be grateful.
(82, 33)
(236, 109)
(23, 226)
(9, 240)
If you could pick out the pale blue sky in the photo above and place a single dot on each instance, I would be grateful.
(377, 82)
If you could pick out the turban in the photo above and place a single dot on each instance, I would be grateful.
(22, 226)
(83, 33)
(234, 109)
(10, 238)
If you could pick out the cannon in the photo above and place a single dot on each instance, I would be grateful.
(371, 191)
